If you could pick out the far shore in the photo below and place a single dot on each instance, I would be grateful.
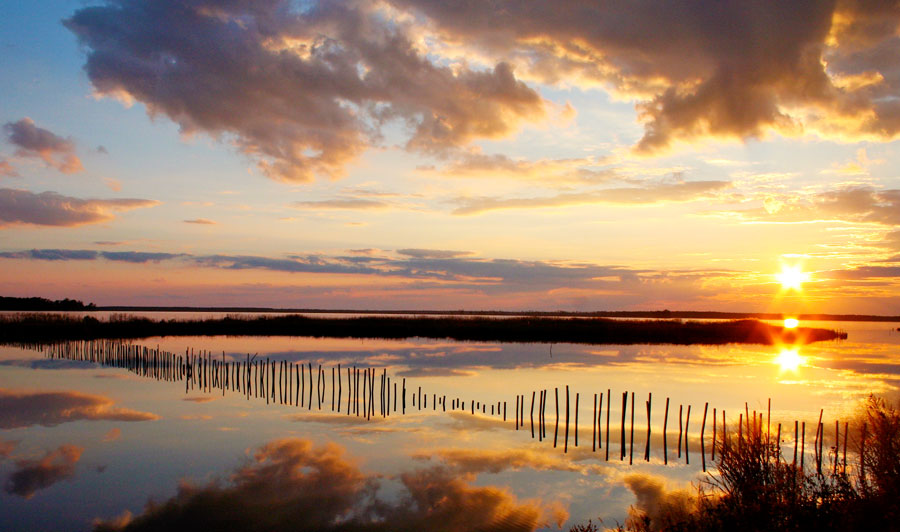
(46, 327)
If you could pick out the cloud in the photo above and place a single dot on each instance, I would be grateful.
(114, 434)
(33, 141)
(417, 253)
(289, 484)
(863, 273)
(200, 221)
(303, 90)
(7, 169)
(136, 257)
(31, 476)
(6, 448)
(578, 170)
(345, 203)
(204, 399)
(651, 194)
(48, 409)
(662, 507)
(52, 209)
(496, 461)
(730, 71)
(471, 274)
(857, 204)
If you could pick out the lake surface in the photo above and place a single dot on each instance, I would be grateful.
(83, 442)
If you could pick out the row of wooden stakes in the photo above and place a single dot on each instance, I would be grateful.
(303, 385)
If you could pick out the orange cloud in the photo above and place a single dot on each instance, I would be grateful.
(52, 209)
(33, 141)
(31, 476)
(48, 409)
(289, 484)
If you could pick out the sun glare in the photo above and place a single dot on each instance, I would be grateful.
(789, 360)
(792, 277)
(791, 323)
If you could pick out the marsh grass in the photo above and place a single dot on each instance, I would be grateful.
(754, 488)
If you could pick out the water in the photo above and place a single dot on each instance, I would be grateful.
(81, 442)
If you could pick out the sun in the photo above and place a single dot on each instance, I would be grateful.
(792, 278)
(791, 323)
(789, 359)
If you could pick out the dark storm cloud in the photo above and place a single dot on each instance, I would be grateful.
(48, 409)
(52, 209)
(33, 141)
(732, 68)
(31, 476)
(656, 193)
(291, 485)
(302, 89)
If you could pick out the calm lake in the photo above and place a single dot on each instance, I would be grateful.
(82, 442)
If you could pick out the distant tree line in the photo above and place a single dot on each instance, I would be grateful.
(44, 327)
(40, 303)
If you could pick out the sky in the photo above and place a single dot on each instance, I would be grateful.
(417, 154)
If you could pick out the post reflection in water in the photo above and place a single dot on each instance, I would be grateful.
(417, 421)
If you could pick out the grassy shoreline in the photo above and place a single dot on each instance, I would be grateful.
(52, 327)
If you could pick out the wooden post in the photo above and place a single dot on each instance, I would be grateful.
(687, 422)
(631, 437)
(680, 427)
(647, 447)
(665, 434)
(566, 445)
(576, 420)
(517, 412)
(846, 430)
(608, 405)
(778, 441)
(796, 441)
(862, 456)
(724, 433)
(714, 424)
(702, 443)
(600, 422)
(594, 427)
(532, 412)
(768, 424)
(556, 429)
(622, 438)
(802, 444)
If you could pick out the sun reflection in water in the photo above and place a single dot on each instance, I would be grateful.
(789, 359)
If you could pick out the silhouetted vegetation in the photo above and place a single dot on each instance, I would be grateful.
(45, 327)
(757, 488)
(39, 303)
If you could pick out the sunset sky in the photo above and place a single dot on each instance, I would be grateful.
(425, 154)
